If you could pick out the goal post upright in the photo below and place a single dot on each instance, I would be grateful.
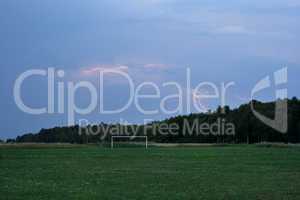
(146, 142)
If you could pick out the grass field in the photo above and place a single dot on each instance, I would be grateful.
(91, 172)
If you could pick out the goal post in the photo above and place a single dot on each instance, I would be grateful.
(115, 137)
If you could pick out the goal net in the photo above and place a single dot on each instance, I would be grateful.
(128, 141)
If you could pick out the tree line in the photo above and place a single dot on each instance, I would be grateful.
(247, 128)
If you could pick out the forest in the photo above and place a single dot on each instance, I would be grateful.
(247, 128)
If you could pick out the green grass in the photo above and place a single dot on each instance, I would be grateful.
(90, 172)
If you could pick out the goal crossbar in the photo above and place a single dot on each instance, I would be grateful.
(130, 137)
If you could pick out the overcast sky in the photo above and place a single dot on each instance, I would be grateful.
(151, 40)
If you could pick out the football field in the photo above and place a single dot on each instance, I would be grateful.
(92, 172)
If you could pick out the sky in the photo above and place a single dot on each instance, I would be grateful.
(156, 41)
